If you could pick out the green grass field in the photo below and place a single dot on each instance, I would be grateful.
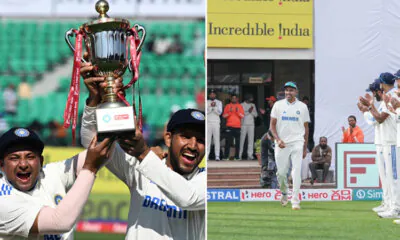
(316, 220)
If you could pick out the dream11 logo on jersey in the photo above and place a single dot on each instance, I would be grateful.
(360, 169)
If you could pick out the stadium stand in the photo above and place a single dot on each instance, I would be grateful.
(33, 48)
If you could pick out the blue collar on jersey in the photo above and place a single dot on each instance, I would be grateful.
(391, 90)
(288, 103)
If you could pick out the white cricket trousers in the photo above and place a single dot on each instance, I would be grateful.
(293, 152)
(247, 130)
(382, 176)
(392, 163)
(213, 132)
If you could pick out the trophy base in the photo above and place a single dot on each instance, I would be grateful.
(116, 121)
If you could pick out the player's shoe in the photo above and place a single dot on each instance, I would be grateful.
(381, 208)
(217, 159)
(396, 221)
(296, 206)
(390, 214)
(284, 200)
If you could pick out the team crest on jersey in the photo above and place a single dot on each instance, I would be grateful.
(298, 112)
(21, 132)
(198, 115)
(57, 199)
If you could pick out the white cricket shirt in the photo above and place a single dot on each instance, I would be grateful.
(389, 126)
(248, 118)
(213, 113)
(164, 204)
(290, 120)
(19, 209)
(377, 127)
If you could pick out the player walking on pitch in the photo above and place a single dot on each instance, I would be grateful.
(289, 126)
(167, 195)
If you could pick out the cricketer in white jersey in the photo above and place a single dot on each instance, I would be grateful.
(377, 94)
(395, 103)
(247, 126)
(214, 110)
(164, 204)
(34, 200)
(289, 125)
(387, 120)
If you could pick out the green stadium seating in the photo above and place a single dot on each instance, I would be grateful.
(30, 48)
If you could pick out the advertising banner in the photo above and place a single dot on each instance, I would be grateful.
(357, 166)
(266, 195)
(367, 194)
(106, 182)
(260, 24)
(223, 195)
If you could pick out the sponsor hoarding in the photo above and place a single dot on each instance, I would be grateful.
(260, 24)
(223, 195)
(356, 166)
(265, 195)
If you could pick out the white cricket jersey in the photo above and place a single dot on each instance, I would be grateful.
(290, 120)
(164, 204)
(213, 113)
(248, 118)
(377, 127)
(389, 126)
(19, 209)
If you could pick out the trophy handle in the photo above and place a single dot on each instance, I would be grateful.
(68, 34)
(139, 47)
(140, 28)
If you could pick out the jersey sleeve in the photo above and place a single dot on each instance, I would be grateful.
(16, 213)
(306, 114)
(64, 170)
(274, 111)
(186, 194)
(122, 166)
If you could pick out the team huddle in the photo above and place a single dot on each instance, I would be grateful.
(385, 119)
(167, 190)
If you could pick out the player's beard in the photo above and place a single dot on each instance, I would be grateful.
(377, 97)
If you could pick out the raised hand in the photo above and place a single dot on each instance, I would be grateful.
(395, 103)
(97, 156)
(135, 145)
(361, 107)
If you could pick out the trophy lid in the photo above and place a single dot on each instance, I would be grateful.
(104, 22)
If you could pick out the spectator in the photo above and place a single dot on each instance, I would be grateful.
(247, 127)
(10, 99)
(321, 159)
(24, 90)
(177, 45)
(161, 45)
(214, 110)
(268, 166)
(198, 44)
(267, 111)
(57, 135)
(306, 101)
(200, 99)
(353, 134)
(233, 113)
(150, 43)
(3, 124)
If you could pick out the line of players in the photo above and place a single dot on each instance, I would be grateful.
(382, 110)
